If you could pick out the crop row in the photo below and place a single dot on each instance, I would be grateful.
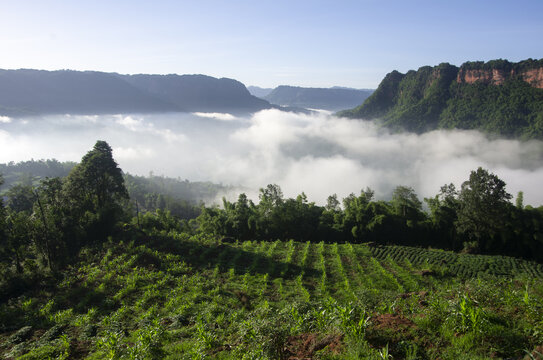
(463, 265)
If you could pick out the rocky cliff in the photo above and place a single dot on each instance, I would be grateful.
(498, 72)
(498, 96)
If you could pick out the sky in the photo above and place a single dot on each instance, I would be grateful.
(266, 43)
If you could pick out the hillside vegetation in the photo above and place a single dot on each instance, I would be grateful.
(85, 273)
(173, 296)
(497, 97)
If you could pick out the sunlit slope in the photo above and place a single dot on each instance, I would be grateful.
(178, 297)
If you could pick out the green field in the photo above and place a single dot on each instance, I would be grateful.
(179, 297)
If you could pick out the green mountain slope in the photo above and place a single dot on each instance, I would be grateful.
(497, 97)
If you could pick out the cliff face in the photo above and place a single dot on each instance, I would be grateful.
(494, 77)
(499, 71)
(534, 77)
(497, 96)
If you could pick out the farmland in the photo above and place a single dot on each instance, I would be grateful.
(180, 296)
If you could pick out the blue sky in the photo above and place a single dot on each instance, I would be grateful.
(267, 43)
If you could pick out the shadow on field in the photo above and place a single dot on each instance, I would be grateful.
(228, 256)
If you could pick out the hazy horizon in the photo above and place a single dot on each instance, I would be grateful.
(318, 154)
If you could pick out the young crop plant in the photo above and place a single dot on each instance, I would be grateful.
(322, 268)
(259, 254)
(270, 265)
(354, 320)
(148, 343)
(110, 345)
(384, 353)
(364, 280)
(306, 296)
(305, 252)
(387, 280)
(288, 258)
(471, 317)
(340, 270)
(407, 280)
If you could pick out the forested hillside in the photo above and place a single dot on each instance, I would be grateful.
(27, 92)
(182, 198)
(498, 97)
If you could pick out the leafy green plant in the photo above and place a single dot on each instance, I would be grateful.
(384, 353)
(65, 348)
(148, 344)
(109, 344)
(203, 335)
(470, 315)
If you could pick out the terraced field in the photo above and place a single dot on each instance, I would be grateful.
(181, 297)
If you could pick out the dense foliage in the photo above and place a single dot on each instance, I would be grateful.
(477, 218)
(31, 171)
(181, 197)
(432, 98)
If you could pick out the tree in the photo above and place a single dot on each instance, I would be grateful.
(18, 228)
(2, 222)
(356, 215)
(97, 180)
(406, 203)
(443, 208)
(483, 208)
(332, 203)
(58, 228)
(520, 200)
(271, 196)
(21, 197)
(94, 190)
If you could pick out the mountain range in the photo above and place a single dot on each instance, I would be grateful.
(332, 99)
(28, 92)
(498, 96)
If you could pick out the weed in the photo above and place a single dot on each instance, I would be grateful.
(384, 353)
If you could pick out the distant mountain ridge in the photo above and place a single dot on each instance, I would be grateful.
(199, 92)
(498, 97)
(28, 92)
(333, 99)
(258, 91)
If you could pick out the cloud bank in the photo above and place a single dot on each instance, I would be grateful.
(318, 154)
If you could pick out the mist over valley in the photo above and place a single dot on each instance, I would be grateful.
(317, 153)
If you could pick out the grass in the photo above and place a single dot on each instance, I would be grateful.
(180, 297)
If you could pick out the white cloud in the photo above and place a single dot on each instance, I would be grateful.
(5, 119)
(217, 116)
(318, 153)
(133, 153)
(141, 126)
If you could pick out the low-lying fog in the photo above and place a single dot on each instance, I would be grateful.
(318, 154)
